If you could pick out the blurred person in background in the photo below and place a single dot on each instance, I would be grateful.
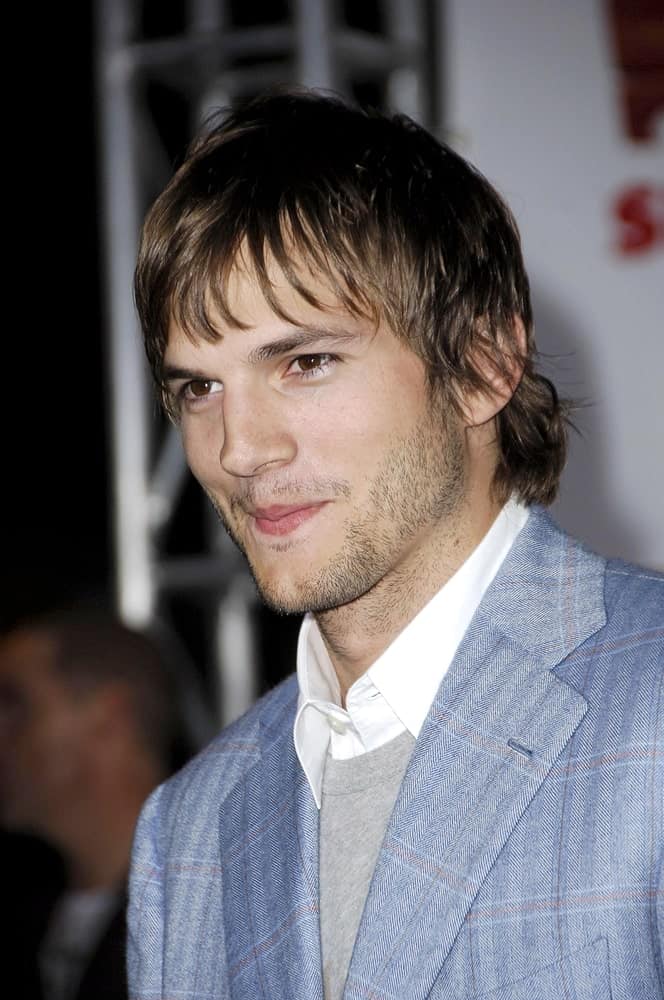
(89, 725)
(459, 792)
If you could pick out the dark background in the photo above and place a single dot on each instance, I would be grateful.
(55, 480)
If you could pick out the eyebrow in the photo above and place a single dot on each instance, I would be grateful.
(301, 338)
(173, 374)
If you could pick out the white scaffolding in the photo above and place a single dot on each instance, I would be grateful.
(210, 60)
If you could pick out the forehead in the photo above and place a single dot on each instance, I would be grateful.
(27, 646)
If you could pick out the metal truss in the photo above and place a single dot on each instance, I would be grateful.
(211, 54)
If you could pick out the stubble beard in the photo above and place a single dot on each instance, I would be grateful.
(420, 483)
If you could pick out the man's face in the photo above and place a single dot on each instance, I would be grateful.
(42, 743)
(319, 446)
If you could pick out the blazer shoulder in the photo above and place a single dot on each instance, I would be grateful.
(208, 778)
(634, 593)
(623, 662)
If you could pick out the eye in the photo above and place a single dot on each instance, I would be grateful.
(200, 388)
(308, 365)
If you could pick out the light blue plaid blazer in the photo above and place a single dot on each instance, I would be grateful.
(523, 859)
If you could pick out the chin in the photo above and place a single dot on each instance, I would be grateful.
(280, 600)
(282, 595)
(310, 595)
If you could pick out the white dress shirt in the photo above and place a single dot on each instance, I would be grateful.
(396, 692)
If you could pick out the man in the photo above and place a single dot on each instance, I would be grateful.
(88, 727)
(459, 794)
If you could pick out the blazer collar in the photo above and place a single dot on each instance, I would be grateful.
(549, 594)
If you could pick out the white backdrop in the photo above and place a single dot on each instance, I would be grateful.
(534, 100)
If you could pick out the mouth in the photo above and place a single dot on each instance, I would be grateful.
(282, 519)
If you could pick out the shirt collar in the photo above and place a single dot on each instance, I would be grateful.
(385, 702)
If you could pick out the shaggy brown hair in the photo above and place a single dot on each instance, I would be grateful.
(397, 225)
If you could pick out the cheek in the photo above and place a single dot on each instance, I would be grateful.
(202, 447)
(52, 748)
(60, 742)
(41, 766)
(364, 432)
(62, 776)
(366, 414)
(348, 442)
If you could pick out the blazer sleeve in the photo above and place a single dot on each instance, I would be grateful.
(145, 914)
(659, 915)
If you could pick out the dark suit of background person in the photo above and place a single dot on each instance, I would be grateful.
(88, 727)
(33, 879)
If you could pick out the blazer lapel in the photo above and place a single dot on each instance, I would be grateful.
(498, 723)
(270, 876)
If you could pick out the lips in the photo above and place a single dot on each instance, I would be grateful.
(282, 519)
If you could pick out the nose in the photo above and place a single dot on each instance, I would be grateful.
(256, 435)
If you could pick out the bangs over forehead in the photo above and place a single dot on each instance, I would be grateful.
(207, 294)
(322, 193)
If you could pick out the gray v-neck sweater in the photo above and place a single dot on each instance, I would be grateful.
(357, 800)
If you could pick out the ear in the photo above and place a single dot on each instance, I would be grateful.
(500, 366)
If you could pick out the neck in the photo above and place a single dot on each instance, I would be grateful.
(356, 634)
